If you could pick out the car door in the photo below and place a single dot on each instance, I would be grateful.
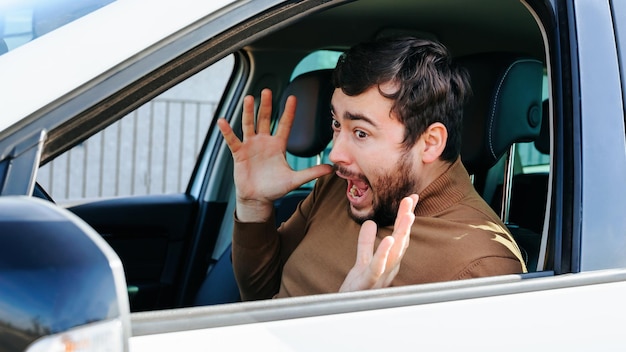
(566, 305)
(130, 182)
(139, 180)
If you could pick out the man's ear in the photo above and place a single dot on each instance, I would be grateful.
(435, 138)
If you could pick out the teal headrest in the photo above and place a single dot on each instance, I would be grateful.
(505, 108)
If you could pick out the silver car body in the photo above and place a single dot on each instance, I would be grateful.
(579, 310)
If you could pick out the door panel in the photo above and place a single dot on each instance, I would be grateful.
(151, 235)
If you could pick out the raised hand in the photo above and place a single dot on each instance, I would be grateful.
(261, 171)
(378, 269)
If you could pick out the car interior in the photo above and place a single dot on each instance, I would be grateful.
(175, 247)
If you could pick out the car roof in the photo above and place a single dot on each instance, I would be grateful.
(465, 27)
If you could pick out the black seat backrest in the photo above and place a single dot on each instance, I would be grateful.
(311, 131)
(505, 109)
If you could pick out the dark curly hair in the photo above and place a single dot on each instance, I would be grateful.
(431, 87)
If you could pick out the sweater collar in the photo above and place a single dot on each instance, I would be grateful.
(448, 189)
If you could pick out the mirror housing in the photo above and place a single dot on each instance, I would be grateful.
(61, 284)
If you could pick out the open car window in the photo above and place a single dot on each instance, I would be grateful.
(152, 150)
(169, 246)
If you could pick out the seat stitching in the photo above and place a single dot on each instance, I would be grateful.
(493, 110)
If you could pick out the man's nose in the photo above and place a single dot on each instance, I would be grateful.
(339, 152)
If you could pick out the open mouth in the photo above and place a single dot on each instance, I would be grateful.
(359, 194)
(357, 189)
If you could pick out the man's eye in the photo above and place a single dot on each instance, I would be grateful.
(360, 134)
(336, 125)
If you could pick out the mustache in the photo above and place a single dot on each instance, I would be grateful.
(350, 174)
(347, 173)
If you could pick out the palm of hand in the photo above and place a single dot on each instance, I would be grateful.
(261, 171)
(377, 269)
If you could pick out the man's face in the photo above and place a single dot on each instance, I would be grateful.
(368, 153)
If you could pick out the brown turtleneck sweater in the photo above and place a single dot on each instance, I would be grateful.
(455, 236)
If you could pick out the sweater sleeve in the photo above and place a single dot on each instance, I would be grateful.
(259, 252)
(256, 259)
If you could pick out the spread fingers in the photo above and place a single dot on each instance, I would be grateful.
(231, 139)
(264, 115)
(247, 119)
(286, 120)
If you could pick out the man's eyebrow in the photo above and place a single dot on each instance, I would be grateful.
(355, 117)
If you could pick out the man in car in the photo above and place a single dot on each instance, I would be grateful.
(397, 207)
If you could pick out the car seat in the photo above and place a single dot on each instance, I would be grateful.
(505, 109)
(530, 190)
(311, 131)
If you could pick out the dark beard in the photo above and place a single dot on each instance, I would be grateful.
(390, 189)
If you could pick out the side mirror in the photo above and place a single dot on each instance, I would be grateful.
(62, 287)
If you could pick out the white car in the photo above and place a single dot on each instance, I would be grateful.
(117, 198)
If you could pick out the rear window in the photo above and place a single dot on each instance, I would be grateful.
(317, 60)
(24, 21)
